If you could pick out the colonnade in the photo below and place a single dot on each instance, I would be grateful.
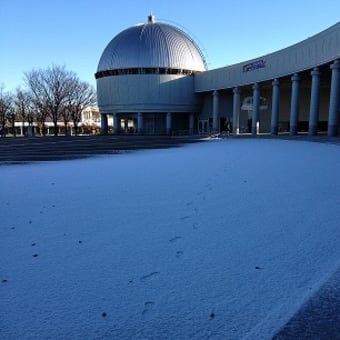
(334, 103)
(140, 122)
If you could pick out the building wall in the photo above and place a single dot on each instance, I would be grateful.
(317, 50)
(207, 104)
(147, 93)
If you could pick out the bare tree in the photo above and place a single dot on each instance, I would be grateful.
(6, 110)
(24, 108)
(81, 95)
(50, 89)
(65, 113)
(66, 118)
(11, 117)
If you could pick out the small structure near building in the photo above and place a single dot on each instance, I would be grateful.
(89, 124)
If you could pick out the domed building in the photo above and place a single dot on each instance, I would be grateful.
(145, 80)
(152, 78)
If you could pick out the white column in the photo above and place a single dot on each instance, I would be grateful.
(236, 111)
(169, 123)
(334, 100)
(256, 108)
(140, 123)
(191, 123)
(30, 131)
(294, 105)
(215, 112)
(103, 124)
(274, 126)
(314, 103)
(116, 125)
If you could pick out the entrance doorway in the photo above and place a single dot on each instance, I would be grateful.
(203, 127)
(128, 125)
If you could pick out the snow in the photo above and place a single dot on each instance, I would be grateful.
(217, 240)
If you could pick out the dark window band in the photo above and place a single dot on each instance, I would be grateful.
(141, 70)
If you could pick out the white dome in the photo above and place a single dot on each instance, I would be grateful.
(149, 46)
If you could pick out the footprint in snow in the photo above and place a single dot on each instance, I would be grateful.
(179, 254)
(149, 276)
(149, 310)
(174, 239)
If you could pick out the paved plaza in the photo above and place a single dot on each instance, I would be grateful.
(319, 316)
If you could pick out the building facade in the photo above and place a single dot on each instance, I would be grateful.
(296, 89)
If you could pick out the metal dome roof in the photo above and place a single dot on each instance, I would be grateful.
(152, 45)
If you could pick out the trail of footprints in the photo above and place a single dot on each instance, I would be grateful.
(149, 308)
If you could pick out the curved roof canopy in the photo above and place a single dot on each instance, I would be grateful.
(152, 45)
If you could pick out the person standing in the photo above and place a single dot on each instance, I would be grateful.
(229, 127)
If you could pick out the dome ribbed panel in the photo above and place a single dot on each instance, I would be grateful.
(152, 45)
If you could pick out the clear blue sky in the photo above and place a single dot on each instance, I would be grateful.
(38, 33)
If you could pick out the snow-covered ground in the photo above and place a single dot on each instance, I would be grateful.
(217, 240)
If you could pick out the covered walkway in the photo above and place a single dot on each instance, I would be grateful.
(293, 90)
